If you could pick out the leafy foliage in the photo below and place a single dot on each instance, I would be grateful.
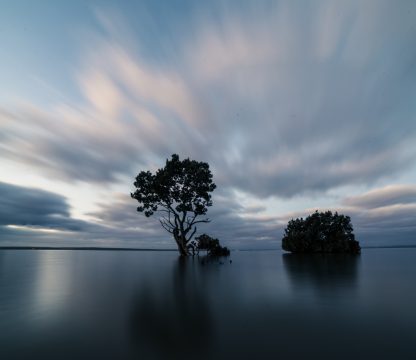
(320, 232)
(206, 242)
(181, 191)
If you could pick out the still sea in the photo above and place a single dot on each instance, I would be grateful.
(78, 304)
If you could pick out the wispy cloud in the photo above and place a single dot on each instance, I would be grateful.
(388, 195)
(26, 213)
(278, 107)
(34, 207)
(33, 217)
(281, 100)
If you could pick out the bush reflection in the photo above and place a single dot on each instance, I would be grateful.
(323, 272)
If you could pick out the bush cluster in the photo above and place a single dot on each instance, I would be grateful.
(321, 232)
(212, 245)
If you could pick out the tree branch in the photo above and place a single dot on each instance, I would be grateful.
(168, 206)
(166, 227)
(169, 220)
(190, 238)
(201, 221)
(167, 223)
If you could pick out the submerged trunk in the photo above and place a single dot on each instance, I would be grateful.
(181, 242)
(182, 250)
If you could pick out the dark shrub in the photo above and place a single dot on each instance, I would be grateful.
(219, 251)
(321, 232)
(213, 247)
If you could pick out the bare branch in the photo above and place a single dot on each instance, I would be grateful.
(164, 210)
(193, 219)
(201, 221)
(190, 223)
(164, 221)
(168, 220)
(169, 230)
(193, 233)
(166, 225)
(173, 211)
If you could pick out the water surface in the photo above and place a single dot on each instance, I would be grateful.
(151, 305)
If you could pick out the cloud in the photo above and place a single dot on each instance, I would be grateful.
(382, 216)
(27, 213)
(234, 224)
(281, 100)
(121, 213)
(247, 227)
(34, 217)
(390, 209)
(287, 105)
(382, 197)
(22, 206)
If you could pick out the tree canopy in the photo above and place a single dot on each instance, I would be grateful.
(320, 232)
(180, 193)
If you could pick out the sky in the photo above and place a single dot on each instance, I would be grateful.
(297, 106)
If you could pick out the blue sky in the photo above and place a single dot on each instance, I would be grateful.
(295, 105)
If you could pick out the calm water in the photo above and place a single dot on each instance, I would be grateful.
(151, 305)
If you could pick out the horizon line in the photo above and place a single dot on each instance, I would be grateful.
(92, 248)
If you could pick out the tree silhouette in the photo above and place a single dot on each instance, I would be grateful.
(181, 192)
(211, 245)
(321, 232)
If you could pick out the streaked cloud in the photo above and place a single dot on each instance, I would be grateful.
(27, 214)
(272, 105)
(382, 197)
(35, 208)
(34, 217)
(282, 100)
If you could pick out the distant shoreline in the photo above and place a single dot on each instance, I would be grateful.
(93, 248)
(78, 248)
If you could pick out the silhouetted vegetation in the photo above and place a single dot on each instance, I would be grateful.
(211, 245)
(181, 192)
(321, 232)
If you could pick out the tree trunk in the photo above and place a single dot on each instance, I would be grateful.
(181, 242)
(182, 250)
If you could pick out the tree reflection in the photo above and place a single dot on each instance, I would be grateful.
(322, 271)
(173, 320)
